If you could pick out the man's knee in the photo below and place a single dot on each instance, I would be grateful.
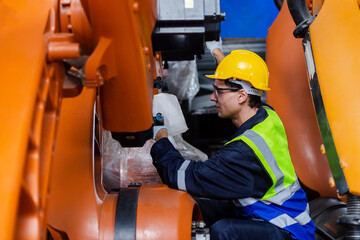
(221, 230)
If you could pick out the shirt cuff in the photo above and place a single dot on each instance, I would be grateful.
(160, 148)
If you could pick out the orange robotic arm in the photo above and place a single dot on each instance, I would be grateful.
(51, 145)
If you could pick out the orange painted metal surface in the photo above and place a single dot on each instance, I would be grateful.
(75, 204)
(73, 19)
(335, 36)
(313, 6)
(123, 61)
(61, 46)
(290, 96)
(316, 6)
(107, 218)
(165, 213)
(30, 96)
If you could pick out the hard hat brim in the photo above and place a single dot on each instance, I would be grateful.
(215, 77)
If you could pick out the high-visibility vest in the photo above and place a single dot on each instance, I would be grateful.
(284, 204)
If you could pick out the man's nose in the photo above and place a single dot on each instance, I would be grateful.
(213, 96)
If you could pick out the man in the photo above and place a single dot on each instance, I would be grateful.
(253, 169)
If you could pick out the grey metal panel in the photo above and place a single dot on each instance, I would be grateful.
(197, 12)
(181, 30)
(212, 7)
(179, 10)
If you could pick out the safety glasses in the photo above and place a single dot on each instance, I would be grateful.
(218, 91)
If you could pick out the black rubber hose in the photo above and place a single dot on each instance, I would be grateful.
(298, 10)
(278, 3)
(301, 16)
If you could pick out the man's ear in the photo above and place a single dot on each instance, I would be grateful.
(243, 96)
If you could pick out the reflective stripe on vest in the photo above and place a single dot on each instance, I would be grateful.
(277, 199)
(268, 141)
(277, 176)
(285, 220)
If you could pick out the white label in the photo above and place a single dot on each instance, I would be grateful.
(189, 3)
(200, 237)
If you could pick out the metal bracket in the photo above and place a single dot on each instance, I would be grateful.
(101, 64)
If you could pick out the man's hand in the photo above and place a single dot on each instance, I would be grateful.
(159, 132)
(215, 48)
(162, 133)
(211, 45)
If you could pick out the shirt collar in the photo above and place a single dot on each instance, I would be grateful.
(260, 116)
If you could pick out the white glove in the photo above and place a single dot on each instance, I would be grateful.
(156, 129)
(211, 45)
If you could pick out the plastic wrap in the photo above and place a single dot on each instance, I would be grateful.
(182, 79)
(138, 167)
(168, 105)
(111, 155)
(188, 151)
(122, 166)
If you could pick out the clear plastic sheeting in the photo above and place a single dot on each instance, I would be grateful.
(182, 79)
(137, 166)
(188, 151)
(122, 166)
(111, 155)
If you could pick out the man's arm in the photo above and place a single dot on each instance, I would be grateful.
(218, 54)
(234, 172)
(215, 48)
(162, 133)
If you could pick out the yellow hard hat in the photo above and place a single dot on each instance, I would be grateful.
(244, 65)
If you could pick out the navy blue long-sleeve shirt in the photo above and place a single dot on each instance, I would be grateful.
(234, 172)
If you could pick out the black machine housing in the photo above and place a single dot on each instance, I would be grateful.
(183, 26)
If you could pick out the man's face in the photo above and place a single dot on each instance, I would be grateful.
(227, 104)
